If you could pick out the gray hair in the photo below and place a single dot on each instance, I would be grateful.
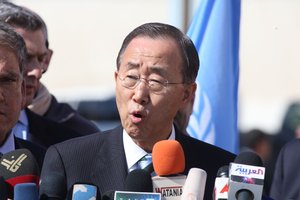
(13, 41)
(21, 17)
(187, 48)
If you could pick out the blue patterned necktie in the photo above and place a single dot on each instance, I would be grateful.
(144, 161)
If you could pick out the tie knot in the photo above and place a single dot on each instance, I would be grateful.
(145, 161)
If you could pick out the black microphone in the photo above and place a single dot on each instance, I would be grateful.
(139, 181)
(109, 195)
(17, 167)
(138, 185)
(3, 189)
(246, 177)
(221, 184)
(53, 187)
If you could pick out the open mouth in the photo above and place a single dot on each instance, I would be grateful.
(137, 115)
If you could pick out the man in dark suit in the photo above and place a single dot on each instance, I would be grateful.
(12, 91)
(286, 178)
(156, 70)
(38, 99)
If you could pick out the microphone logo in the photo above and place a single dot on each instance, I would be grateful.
(14, 164)
(225, 189)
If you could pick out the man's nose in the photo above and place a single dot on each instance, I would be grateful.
(141, 92)
(34, 68)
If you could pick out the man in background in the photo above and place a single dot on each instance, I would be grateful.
(38, 99)
(12, 92)
(51, 122)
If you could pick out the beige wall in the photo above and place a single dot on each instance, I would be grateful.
(269, 61)
(86, 36)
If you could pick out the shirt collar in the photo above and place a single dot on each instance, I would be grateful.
(9, 144)
(133, 152)
(23, 118)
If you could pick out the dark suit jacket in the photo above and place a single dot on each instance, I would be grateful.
(100, 159)
(46, 132)
(286, 178)
(37, 150)
(63, 113)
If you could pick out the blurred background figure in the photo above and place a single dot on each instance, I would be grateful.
(260, 142)
(290, 129)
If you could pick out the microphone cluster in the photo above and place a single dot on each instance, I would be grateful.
(240, 180)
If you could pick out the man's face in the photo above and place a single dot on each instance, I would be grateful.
(37, 62)
(11, 91)
(146, 116)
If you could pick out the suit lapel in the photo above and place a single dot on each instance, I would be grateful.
(112, 162)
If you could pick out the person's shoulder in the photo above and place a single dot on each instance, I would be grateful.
(292, 146)
(90, 140)
(65, 114)
(199, 146)
(37, 150)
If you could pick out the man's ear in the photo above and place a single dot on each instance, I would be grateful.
(116, 76)
(48, 58)
(189, 94)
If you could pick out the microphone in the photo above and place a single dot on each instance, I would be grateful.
(168, 162)
(53, 187)
(194, 186)
(19, 166)
(221, 184)
(139, 181)
(138, 185)
(108, 195)
(3, 189)
(83, 191)
(26, 191)
(246, 177)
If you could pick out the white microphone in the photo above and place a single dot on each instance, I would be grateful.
(246, 177)
(194, 186)
(221, 184)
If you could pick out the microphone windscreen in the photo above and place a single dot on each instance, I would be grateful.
(109, 195)
(19, 166)
(223, 171)
(3, 189)
(53, 187)
(248, 158)
(26, 191)
(139, 181)
(194, 185)
(168, 158)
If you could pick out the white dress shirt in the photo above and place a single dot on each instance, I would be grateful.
(133, 152)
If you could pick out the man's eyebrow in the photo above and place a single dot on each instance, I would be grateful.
(153, 69)
(131, 65)
(12, 75)
(158, 70)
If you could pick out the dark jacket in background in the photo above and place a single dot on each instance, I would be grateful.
(64, 114)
